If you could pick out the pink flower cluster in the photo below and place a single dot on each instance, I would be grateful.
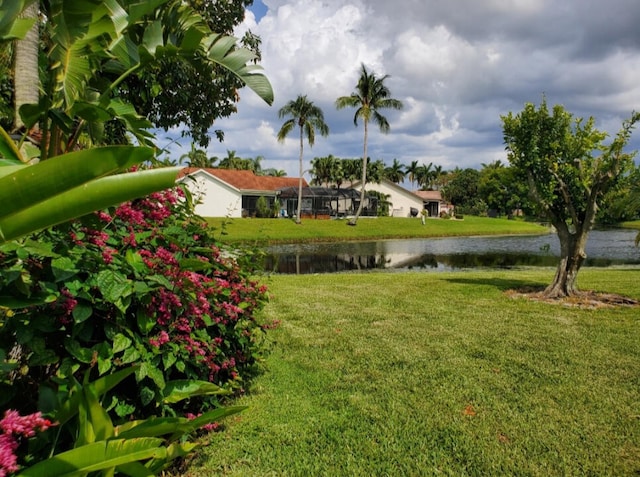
(13, 426)
(212, 426)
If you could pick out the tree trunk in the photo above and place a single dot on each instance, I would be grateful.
(26, 77)
(354, 220)
(298, 218)
(572, 255)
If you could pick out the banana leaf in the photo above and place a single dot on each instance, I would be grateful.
(97, 456)
(82, 200)
(30, 185)
(11, 26)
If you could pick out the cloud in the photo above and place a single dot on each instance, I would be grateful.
(457, 66)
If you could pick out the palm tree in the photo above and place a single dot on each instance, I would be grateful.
(323, 169)
(395, 172)
(232, 161)
(351, 169)
(26, 73)
(273, 172)
(412, 171)
(197, 158)
(370, 96)
(308, 117)
(424, 176)
(438, 177)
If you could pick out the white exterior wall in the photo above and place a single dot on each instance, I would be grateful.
(213, 197)
(401, 199)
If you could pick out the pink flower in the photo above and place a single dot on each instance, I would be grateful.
(163, 337)
(103, 216)
(13, 426)
(8, 458)
(107, 255)
(212, 426)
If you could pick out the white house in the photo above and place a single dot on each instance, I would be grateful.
(401, 200)
(231, 193)
(434, 203)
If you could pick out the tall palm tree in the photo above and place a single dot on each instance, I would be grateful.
(412, 171)
(370, 96)
(26, 73)
(438, 177)
(424, 176)
(351, 169)
(395, 172)
(197, 158)
(308, 117)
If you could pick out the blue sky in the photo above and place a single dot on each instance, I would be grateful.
(457, 66)
(258, 9)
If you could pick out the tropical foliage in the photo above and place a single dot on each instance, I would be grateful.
(96, 46)
(569, 170)
(74, 298)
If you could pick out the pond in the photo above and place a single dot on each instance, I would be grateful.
(604, 248)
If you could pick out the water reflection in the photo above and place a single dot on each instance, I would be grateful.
(604, 248)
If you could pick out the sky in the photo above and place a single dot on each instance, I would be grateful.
(456, 65)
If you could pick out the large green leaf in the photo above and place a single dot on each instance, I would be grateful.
(97, 456)
(178, 390)
(82, 200)
(12, 27)
(8, 149)
(70, 407)
(33, 184)
(221, 51)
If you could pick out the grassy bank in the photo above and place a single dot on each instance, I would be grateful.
(286, 230)
(633, 224)
(439, 374)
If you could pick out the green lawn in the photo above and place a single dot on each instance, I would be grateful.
(402, 374)
(286, 230)
(634, 224)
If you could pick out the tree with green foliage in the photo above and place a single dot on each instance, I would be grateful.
(412, 171)
(568, 169)
(371, 95)
(395, 172)
(499, 188)
(462, 190)
(424, 176)
(325, 170)
(197, 158)
(622, 203)
(308, 118)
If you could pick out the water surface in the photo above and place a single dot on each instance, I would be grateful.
(604, 248)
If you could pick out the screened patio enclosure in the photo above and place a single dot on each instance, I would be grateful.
(324, 202)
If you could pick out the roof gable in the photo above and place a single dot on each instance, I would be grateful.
(390, 185)
(248, 180)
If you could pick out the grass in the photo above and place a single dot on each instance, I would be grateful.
(286, 230)
(633, 224)
(439, 374)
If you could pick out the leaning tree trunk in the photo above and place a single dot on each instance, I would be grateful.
(298, 218)
(26, 77)
(572, 255)
(354, 220)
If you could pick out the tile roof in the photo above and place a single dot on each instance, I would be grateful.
(429, 194)
(247, 180)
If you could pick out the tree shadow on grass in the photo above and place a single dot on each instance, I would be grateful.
(501, 284)
(534, 291)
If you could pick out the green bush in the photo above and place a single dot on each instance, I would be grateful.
(143, 283)
(262, 208)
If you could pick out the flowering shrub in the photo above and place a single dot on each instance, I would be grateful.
(143, 283)
(13, 428)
